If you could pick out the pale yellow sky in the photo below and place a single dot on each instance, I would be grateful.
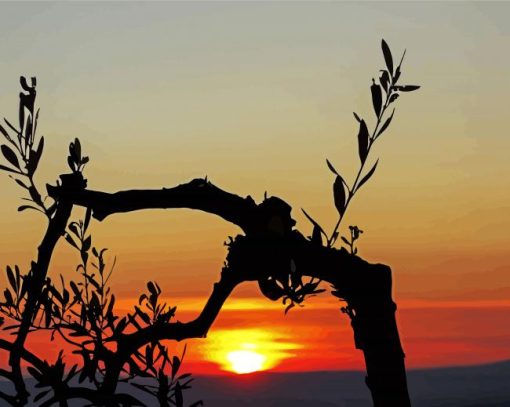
(256, 96)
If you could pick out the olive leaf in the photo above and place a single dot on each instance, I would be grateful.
(376, 97)
(339, 195)
(10, 155)
(330, 166)
(363, 137)
(387, 56)
(384, 79)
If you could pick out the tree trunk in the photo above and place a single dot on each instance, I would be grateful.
(376, 334)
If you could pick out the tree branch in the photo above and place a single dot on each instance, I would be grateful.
(127, 344)
(269, 248)
(197, 194)
(56, 228)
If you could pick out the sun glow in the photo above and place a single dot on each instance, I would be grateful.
(246, 361)
(247, 350)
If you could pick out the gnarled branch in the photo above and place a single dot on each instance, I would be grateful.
(197, 194)
(269, 247)
(127, 344)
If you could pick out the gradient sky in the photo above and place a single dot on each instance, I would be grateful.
(256, 96)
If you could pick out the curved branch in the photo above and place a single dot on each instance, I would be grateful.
(267, 250)
(196, 328)
(258, 222)
(56, 228)
(129, 343)
(251, 259)
(197, 194)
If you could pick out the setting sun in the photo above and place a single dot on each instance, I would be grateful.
(247, 350)
(245, 361)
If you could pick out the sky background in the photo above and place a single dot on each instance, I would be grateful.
(256, 96)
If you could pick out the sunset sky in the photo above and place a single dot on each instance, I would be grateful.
(256, 96)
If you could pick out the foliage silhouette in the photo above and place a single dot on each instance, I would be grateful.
(81, 312)
(130, 348)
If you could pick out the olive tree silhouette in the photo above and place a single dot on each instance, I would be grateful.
(124, 349)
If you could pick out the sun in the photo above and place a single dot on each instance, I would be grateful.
(247, 350)
(246, 361)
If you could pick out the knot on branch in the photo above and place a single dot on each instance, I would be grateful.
(259, 256)
(270, 259)
(273, 217)
(68, 184)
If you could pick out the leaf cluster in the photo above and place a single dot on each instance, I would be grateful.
(75, 160)
(83, 314)
(384, 93)
(167, 388)
(290, 286)
(355, 233)
(23, 152)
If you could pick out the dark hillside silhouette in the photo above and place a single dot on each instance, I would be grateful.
(115, 349)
